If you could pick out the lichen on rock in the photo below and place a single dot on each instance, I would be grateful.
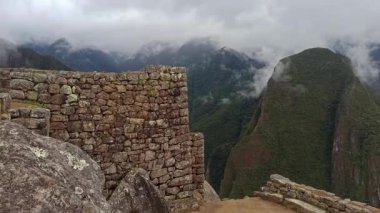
(35, 176)
(74, 161)
(40, 153)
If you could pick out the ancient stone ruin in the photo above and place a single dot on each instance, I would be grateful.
(304, 198)
(122, 120)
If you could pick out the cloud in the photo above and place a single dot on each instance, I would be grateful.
(7, 50)
(255, 86)
(269, 29)
(366, 69)
(225, 101)
(246, 25)
(279, 71)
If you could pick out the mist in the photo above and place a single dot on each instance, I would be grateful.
(264, 29)
(7, 50)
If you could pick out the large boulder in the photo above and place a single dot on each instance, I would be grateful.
(135, 193)
(210, 193)
(42, 174)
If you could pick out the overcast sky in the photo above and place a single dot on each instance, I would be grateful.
(125, 25)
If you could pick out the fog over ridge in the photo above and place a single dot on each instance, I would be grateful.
(267, 29)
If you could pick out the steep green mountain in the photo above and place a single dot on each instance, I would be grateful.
(317, 124)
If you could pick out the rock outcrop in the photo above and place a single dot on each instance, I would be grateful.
(135, 193)
(210, 194)
(42, 174)
(39, 173)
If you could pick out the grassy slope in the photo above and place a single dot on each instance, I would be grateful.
(294, 133)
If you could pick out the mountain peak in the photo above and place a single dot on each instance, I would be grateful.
(61, 44)
(316, 124)
(153, 48)
(318, 52)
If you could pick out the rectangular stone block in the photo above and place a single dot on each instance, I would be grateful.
(4, 74)
(5, 102)
(4, 85)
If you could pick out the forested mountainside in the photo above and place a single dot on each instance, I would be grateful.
(317, 124)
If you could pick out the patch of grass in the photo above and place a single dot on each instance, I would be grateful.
(26, 104)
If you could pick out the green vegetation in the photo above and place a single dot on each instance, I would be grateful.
(358, 128)
(26, 104)
(222, 129)
(294, 133)
(216, 107)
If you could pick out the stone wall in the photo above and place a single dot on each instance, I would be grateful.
(308, 199)
(123, 120)
(36, 119)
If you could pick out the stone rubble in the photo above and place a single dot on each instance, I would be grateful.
(304, 198)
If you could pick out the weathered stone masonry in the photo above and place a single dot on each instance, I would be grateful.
(123, 120)
(304, 198)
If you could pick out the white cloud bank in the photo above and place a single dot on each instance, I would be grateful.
(271, 29)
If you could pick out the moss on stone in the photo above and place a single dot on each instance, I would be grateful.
(26, 104)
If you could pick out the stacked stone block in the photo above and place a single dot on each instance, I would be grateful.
(198, 168)
(5, 104)
(308, 199)
(123, 120)
(36, 119)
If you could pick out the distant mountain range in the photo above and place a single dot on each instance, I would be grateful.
(13, 56)
(86, 59)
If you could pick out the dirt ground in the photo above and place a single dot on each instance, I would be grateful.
(248, 205)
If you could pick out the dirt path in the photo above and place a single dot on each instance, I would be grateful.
(249, 205)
